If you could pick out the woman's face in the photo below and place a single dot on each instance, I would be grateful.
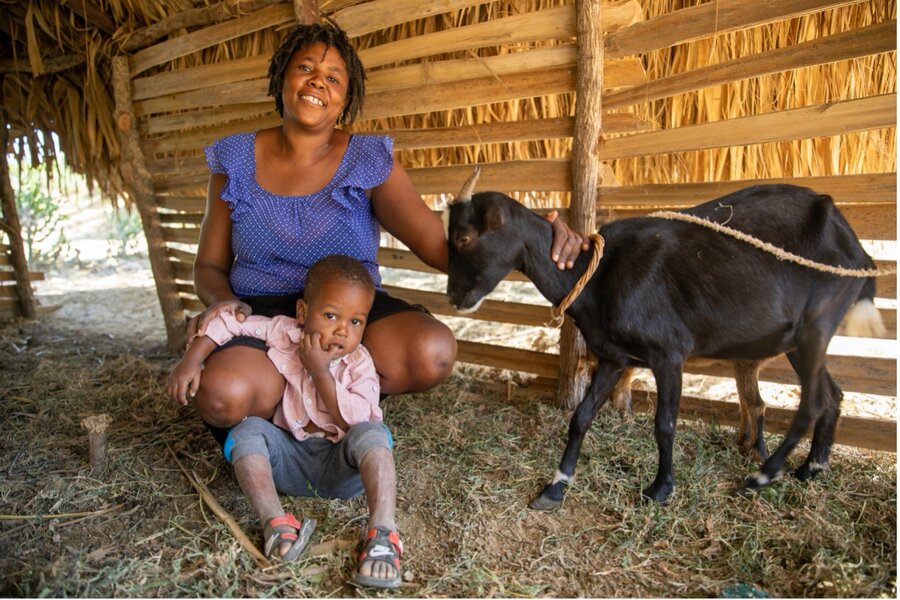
(315, 86)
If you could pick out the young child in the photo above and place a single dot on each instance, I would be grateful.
(326, 437)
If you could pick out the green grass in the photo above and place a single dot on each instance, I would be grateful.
(469, 460)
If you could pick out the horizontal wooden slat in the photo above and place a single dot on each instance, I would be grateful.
(194, 139)
(207, 117)
(381, 14)
(462, 94)
(191, 303)
(875, 188)
(182, 270)
(553, 23)
(466, 135)
(616, 73)
(210, 36)
(255, 91)
(854, 374)
(855, 43)
(547, 175)
(181, 255)
(182, 203)
(193, 219)
(859, 432)
(187, 235)
(516, 313)
(11, 276)
(195, 78)
(708, 19)
(834, 118)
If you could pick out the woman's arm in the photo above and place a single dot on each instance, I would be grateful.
(214, 258)
(402, 212)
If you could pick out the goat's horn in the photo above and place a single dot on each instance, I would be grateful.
(465, 194)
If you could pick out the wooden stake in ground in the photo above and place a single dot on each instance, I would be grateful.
(97, 426)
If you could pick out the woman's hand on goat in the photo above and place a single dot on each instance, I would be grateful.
(567, 244)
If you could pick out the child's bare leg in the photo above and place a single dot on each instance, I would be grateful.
(380, 481)
(254, 474)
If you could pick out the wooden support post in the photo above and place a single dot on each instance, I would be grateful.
(574, 369)
(14, 230)
(306, 11)
(134, 172)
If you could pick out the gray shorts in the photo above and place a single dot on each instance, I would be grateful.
(313, 467)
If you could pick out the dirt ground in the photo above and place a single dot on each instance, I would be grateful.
(469, 459)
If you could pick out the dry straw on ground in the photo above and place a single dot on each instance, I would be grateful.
(468, 460)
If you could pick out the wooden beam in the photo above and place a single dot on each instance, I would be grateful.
(13, 230)
(51, 65)
(553, 23)
(92, 15)
(306, 11)
(214, 116)
(134, 173)
(380, 14)
(192, 42)
(194, 139)
(847, 45)
(404, 139)
(834, 118)
(192, 17)
(858, 432)
(11, 276)
(708, 19)
(547, 175)
(574, 368)
(857, 374)
(874, 188)
(200, 77)
(253, 90)
(556, 23)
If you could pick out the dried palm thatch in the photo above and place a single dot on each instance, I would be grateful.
(55, 69)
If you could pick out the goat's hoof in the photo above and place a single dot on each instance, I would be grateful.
(758, 480)
(659, 493)
(808, 470)
(543, 502)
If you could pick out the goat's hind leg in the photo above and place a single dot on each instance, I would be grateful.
(750, 439)
(809, 362)
(823, 436)
(603, 381)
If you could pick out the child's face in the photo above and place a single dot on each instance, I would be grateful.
(337, 312)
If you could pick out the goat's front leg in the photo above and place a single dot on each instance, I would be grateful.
(668, 391)
(605, 378)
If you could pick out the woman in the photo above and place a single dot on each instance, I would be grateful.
(280, 199)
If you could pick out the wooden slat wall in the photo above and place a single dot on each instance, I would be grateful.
(182, 110)
(9, 291)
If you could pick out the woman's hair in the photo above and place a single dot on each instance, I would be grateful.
(332, 36)
(337, 267)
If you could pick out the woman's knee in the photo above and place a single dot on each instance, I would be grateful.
(237, 383)
(432, 356)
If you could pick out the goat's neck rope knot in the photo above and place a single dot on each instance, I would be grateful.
(559, 312)
(779, 253)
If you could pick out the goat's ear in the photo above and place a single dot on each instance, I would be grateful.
(493, 218)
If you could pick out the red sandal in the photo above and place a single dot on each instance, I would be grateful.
(274, 538)
(382, 545)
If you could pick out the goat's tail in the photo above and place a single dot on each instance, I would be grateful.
(864, 319)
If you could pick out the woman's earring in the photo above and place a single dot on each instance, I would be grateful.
(340, 117)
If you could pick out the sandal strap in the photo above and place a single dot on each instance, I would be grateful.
(392, 537)
(289, 520)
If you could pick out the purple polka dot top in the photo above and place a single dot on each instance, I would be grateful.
(276, 239)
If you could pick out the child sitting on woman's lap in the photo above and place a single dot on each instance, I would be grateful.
(326, 437)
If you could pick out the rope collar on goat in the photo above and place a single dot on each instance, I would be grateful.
(559, 312)
(779, 253)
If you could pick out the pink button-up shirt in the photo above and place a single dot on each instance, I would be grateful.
(354, 375)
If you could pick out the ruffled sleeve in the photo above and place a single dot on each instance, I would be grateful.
(372, 159)
(233, 157)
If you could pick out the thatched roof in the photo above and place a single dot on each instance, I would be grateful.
(56, 55)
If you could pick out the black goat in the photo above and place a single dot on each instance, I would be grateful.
(667, 290)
